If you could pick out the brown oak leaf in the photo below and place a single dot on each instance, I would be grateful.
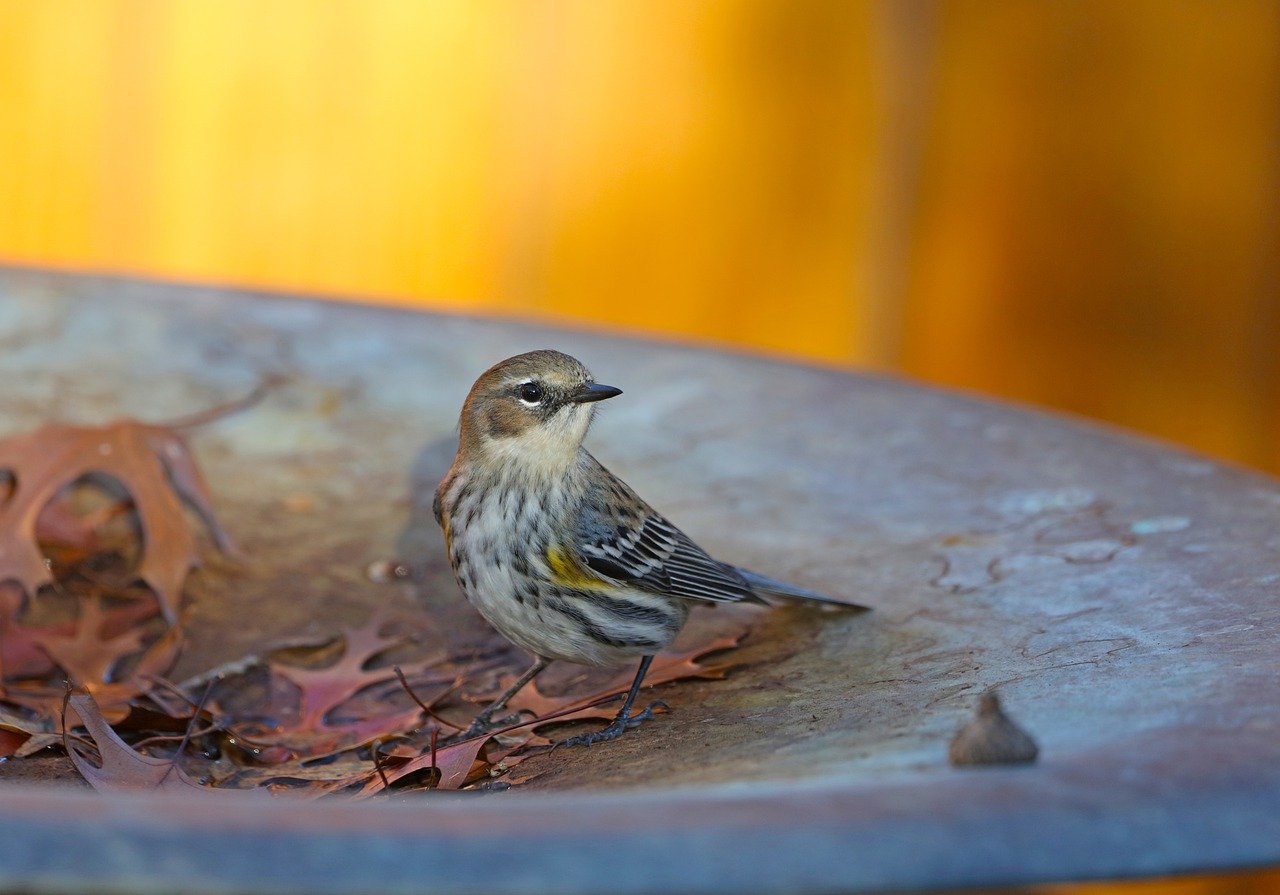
(324, 689)
(88, 653)
(120, 766)
(459, 763)
(455, 764)
(307, 713)
(59, 525)
(16, 731)
(11, 741)
(676, 665)
(112, 697)
(25, 650)
(152, 462)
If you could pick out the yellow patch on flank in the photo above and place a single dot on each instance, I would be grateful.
(568, 572)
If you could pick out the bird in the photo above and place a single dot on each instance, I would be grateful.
(557, 553)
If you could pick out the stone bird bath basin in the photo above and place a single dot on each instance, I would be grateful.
(1123, 595)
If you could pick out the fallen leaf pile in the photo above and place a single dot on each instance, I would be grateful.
(95, 547)
(354, 726)
(90, 593)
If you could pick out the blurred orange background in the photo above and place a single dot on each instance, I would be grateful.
(1075, 204)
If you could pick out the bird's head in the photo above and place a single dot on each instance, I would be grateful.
(532, 409)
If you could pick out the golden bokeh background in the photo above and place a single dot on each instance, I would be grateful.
(1075, 204)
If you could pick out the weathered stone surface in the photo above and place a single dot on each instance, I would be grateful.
(1121, 594)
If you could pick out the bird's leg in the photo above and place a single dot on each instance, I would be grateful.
(484, 720)
(624, 719)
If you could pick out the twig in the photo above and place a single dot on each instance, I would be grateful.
(377, 763)
(186, 737)
(435, 771)
(422, 705)
(228, 408)
(4, 624)
(165, 738)
(166, 684)
(543, 719)
(66, 701)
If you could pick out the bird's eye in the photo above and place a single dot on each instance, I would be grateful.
(530, 392)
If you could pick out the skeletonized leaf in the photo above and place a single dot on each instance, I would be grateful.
(112, 698)
(313, 729)
(88, 653)
(324, 689)
(152, 462)
(25, 651)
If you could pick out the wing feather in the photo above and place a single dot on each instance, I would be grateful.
(635, 545)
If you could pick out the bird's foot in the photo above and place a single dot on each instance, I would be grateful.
(614, 730)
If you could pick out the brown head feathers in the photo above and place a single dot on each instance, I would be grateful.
(540, 396)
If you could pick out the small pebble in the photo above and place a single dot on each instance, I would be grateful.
(991, 738)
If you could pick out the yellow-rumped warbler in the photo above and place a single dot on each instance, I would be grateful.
(556, 552)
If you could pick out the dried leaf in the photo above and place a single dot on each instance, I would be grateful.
(311, 729)
(458, 763)
(88, 654)
(682, 664)
(294, 778)
(154, 664)
(16, 732)
(112, 697)
(454, 762)
(11, 741)
(60, 525)
(152, 462)
(122, 767)
(324, 689)
(25, 651)
(315, 722)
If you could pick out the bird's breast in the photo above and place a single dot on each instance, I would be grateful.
(508, 550)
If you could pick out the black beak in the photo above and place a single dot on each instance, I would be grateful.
(594, 392)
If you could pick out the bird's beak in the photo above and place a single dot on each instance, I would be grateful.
(594, 392)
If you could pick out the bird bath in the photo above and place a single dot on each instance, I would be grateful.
(1120, 593)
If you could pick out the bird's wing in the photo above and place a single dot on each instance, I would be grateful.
(626, 541)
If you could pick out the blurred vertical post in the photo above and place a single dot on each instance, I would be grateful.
(903, 59)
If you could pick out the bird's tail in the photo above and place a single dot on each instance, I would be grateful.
(772, 587)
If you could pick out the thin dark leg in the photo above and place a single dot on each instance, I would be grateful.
(635, 688)
(624, 719)
(485, 718)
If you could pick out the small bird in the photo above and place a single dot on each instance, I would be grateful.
(555, 551)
